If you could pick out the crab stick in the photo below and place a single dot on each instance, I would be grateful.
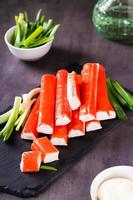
(30, 161)
(59, 136)
(76, 128)
(104, 108)
(89, 92)
(73, 90)
(29, 131)
(63, 111)
(47, 104)
(93, 125)
(48, 151)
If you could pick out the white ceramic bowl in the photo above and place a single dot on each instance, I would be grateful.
(30, 54)
(113, 172)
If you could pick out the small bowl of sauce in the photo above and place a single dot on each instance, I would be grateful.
(115, 183)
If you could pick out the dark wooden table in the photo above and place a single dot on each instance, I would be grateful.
(77, 41)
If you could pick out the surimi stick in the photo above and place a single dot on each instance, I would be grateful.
(73, 90)
(89, 92)
(29, 131)
(63, 110)
(104, 108)
(59, 136)
(93, 125)
(48, 151)
(47, 104)
(30, 161)
(76, 127)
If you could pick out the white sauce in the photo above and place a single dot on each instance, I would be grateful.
(116, 189)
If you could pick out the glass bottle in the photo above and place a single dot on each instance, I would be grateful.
(114, 19)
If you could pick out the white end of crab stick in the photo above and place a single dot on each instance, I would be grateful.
(44, 128)
(30, 161)
(59, 136)
(76, 128)
(48, 151)
(93, 125)
(62, 111)
(73, 93)
(62, 120)
(47, 104)
(102, 115)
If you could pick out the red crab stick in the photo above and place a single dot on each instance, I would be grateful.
(73, 92)
(63, 110)
(29, 131)
(47, 102)
(76, 128)
(48, 151)
(93, 125)
(104, 108)
(59, 136)
(89, 92)
(30, 161)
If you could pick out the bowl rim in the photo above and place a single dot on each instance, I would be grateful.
(22, 49)
(105, 173)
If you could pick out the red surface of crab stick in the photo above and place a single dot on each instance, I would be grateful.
(30, 161)
(29, 131)
(93, 125)
(76, 127)
(73, 90)
(48, 151)
(59, 136)
(47, 104)
(104, 108)
(89, 92)
(63, 111)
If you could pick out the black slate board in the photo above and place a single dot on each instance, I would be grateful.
(27, 185)
(30, 184)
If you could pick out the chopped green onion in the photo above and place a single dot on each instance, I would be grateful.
(126, 96)
(4, 117)
(119, 110)
(33, 36)
(46, 167)
(8, 128)
(54, 30)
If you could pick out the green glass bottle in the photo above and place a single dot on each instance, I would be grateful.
(113, 19)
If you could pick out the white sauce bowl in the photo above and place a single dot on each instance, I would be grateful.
(122, 171)
(30, 54)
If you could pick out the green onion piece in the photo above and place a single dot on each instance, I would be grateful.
(39, 14)
(46, 167)
(33, 36)
(42, 20)
(26, 17)
(41, 41)
(18, 35)
(25, 115)
(119, 110)
(115, 93)
(20, 17)
(16, 19)
(126, 96)
(54, 30)
(18, 120)
(4, 117)
(47, 26)
(8, 128)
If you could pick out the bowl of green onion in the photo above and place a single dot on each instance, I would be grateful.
(30, 40)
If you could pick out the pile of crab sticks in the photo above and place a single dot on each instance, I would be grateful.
(67, 105)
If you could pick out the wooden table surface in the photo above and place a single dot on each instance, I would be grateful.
(78, 42)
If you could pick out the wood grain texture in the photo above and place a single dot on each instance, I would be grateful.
(78, 42)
